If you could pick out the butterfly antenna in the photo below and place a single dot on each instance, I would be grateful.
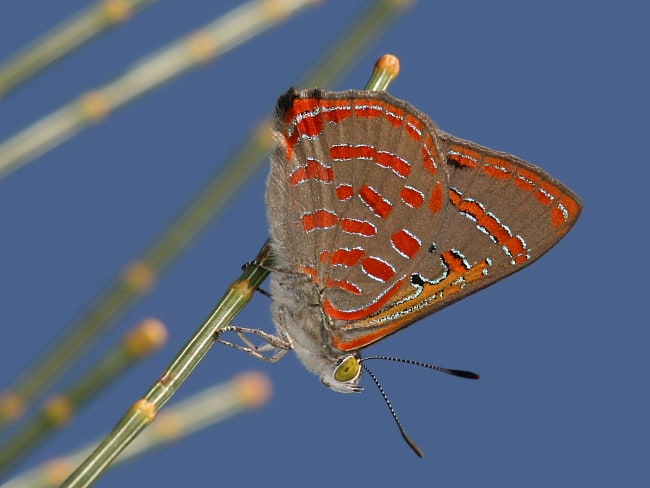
(454, 372)
(408, 440)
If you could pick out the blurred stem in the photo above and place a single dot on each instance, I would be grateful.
(147, 337)
(144, 411)
(64, 38)
(244, 392)
(138, 277)
(198, 48)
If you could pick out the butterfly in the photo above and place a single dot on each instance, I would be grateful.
(379, 219)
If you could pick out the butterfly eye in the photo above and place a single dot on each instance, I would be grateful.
(348, 370)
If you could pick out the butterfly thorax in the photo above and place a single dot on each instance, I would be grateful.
(299, 318)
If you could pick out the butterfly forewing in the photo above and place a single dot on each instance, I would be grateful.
(355, 180)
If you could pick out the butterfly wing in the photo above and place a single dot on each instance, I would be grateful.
(342, 182)
(393, 219)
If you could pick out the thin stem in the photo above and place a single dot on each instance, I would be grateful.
(244, 392)
(65, 38)
(143, 412)
(147, 337)
(198, 48)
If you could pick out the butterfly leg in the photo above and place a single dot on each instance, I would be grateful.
(276, 346)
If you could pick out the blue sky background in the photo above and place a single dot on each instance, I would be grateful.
(563, 347)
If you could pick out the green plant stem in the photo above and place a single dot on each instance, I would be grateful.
(64, 38)
(144, 339)
(244, 392)
(198, 48)
(144, 411)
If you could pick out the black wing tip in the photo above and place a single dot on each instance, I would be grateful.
(286, 101)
